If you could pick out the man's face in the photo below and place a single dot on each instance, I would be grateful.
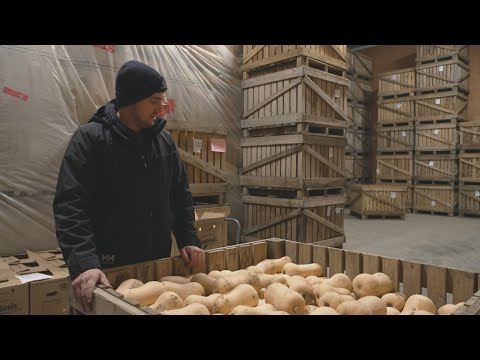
(148, 108)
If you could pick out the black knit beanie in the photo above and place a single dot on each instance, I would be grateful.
(136, 81)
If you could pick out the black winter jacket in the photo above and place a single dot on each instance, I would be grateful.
(119, 195)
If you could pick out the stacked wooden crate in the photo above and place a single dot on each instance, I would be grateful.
(359, 97)
(442, 87)
(395, 130)
(294, 138)
(469, 169)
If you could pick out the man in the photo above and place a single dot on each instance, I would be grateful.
(122, 187)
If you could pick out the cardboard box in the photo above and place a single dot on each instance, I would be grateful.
(211, 227)
(42, 297)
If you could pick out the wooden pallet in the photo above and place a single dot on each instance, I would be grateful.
(378, 200)
(469, 167)
(302, 90)
(439, 53)
(442, 106)
(436, 167)
(305, 220)
(359, 116)
(259, 59)
(439, 282)
(377, 216)
(435, 198)
(293, 158)
(470, 135)
(397, 112)
(394, 167)
(436, 137)
(395, 139)
(396, 83)
(429, 212)
(442, 75)
(293, 124)
(360, 65)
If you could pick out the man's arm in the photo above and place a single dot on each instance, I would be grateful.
(72, 204)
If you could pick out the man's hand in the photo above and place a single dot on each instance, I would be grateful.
(84, 285)
(193, 256)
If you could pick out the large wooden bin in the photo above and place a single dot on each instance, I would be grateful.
(378, 201)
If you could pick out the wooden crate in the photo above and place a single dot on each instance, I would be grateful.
(257, 56)
(443, 106)
(436, 137)
(204, 164)
(430, 53)
(435, 199)
(359, 116)
(293, 161)
(441, 284)
(470, 135)
(360, 64)
(302, 90)
(211, 227)
(356, 167)
(395, 168)
(399, 111)
(442, 75)
(305, 220)
(54, 257)
(395, 139)
(293, 124)
(469, 167)
(378, 200)
(469, 200)
(360, 90)
(470, 307)
(436, 168)
(396, 82)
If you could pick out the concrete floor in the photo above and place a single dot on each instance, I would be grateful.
(438, 240)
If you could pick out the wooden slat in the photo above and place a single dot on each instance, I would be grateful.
(179, 268)
(436, 138)
(231, 258)
(369, 194)
(276, 220)
(215, 260)
(259, 252)
(437, 285)
(336, 261)
(319, 157)
(245, 256)
(412, 278)
(464, 285)
(304, 253)
(323, 221)
(434, 168)
(403, 171)
(339, 52)
(393, 268)
(320, 256)
(371, 264)
(353, 264)
(291, 249)
(272, 97)
(428, 196)
(252, 53)
(325, 97)
(435, 107)
(163, 268)
(202, 164)
(270, 159)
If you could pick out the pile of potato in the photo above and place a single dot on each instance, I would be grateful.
(278, 287)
